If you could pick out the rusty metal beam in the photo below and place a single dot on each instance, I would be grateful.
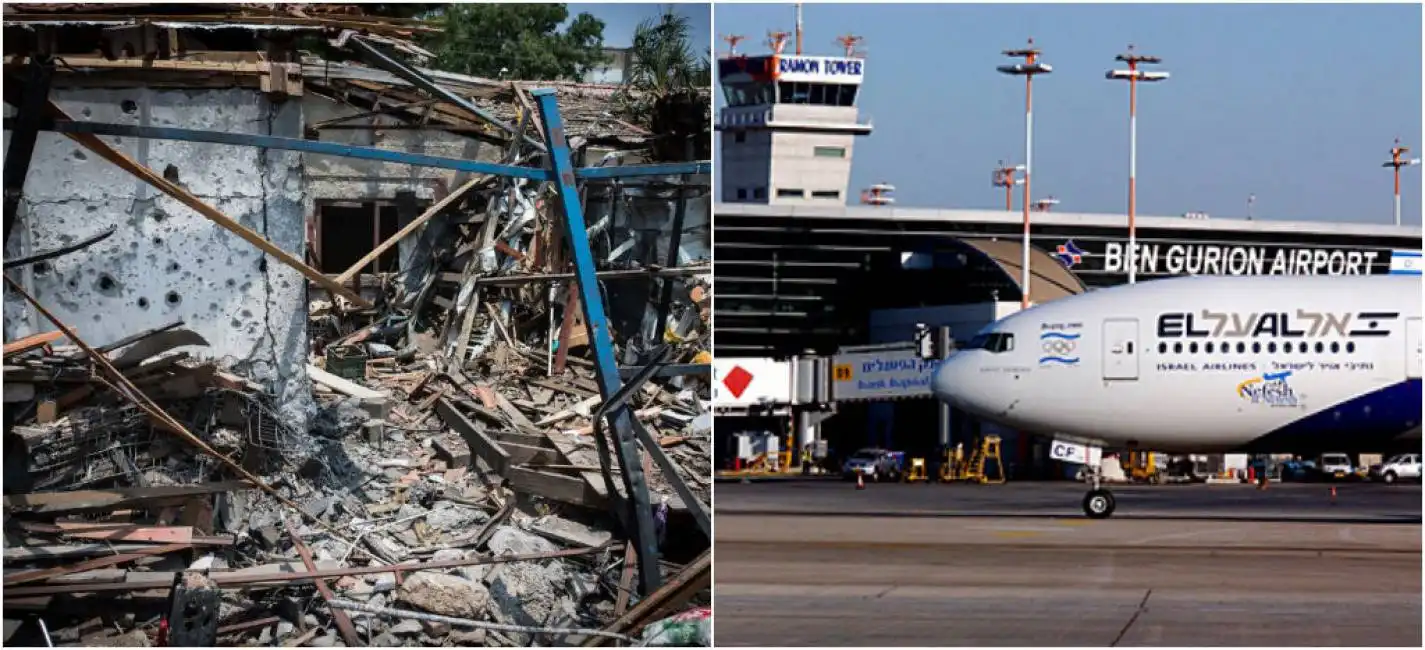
(288, 578)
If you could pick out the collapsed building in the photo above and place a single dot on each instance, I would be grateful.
(281, 323)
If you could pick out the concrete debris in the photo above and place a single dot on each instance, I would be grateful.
(439, 593)
(433, 404)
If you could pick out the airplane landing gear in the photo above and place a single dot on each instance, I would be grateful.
(1099, 502)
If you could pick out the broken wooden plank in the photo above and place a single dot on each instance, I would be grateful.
(32, 342)
(482, 445)
(342, 386)
(13, 579)
(126, 532)
(78, 500)
(565, 489)
(98, 146)
(524, 455)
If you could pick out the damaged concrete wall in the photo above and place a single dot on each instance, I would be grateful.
(332, 178)
(167, 262)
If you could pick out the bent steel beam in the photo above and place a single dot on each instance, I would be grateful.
(641, 528)
(352, 151)
(379, 59)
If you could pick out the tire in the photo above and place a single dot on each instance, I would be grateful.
(1389, 478)
(1099, 504)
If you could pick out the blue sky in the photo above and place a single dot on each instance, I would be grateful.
(621, 19)
(1297, 104)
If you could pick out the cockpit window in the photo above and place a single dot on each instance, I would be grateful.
(994, 342)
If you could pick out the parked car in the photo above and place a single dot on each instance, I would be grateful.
(1336, 467)
(872, 463)
(1402, 466)
(1299, 470)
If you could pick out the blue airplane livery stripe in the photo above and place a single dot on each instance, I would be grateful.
(1365, 423)
(1068, 360)
(1059, 335)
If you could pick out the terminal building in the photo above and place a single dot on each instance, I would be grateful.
(817, 300)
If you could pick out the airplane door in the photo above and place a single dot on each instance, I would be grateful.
(1120, 349)
(1412, 348)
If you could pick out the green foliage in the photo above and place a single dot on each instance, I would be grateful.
(666, 86)
(522, 40)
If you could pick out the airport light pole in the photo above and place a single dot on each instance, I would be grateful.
(1397, 162)
(1028, 69)
(1134, 75)
(1004, 177)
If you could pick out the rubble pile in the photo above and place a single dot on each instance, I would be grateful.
(445, 479)
(442, 471)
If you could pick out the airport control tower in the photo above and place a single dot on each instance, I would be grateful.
(788, 125)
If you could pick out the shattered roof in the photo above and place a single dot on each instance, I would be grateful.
(247, 15)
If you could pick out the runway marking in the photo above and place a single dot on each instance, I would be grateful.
(1017, 533)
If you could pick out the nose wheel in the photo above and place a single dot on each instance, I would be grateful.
(1098, 503)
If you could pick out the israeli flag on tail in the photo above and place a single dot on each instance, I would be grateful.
(1405, 263)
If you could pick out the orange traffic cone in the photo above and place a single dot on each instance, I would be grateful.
(1333, 495)
(860, 482)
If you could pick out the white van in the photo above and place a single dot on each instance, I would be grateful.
(1403, 466)
(1336, 466)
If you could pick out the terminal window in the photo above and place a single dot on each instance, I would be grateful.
(829, 152)
(759, 193)
(826, 194)
(740, 137)
(741, 194)
(791, 194)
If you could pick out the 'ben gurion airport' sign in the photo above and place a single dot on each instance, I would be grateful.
(1234, 259)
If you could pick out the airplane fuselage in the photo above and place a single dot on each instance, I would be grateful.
(1283, 364)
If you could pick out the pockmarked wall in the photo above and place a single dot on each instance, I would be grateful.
(166, 262)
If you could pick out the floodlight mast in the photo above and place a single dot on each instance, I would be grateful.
(1028, 69)
(1134, 75)
(1397, 162)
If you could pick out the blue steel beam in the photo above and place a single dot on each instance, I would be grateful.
(639, 521)
(365, 153)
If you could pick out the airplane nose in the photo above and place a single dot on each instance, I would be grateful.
(949, 382)
(958, 383)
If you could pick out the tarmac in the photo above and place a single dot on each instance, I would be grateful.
(820, 563)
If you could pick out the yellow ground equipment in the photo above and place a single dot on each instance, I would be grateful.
(1142, 467)
(959, 468)
(917, 471)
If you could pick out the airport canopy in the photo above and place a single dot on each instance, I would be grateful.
(1049, 279)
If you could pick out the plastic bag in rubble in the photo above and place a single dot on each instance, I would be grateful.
(692, 628)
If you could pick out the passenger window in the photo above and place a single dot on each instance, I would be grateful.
(1320, 347)
(1272, 347)
(1350, 347)
(1286, 347)
(1241, 347)
(1192, 348)
(1162, 348)
(1177, 348)
(1335, 347)
(1256, 347)
(1207, 347)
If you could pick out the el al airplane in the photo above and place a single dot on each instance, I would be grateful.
(1258, 364)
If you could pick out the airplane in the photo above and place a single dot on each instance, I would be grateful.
(1203, 364)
